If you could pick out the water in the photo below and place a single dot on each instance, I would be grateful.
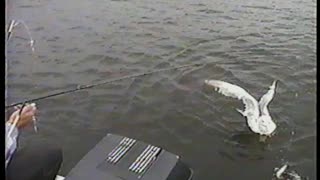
(249, 43)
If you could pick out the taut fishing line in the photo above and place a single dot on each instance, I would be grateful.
(14, 23)
(82, 87)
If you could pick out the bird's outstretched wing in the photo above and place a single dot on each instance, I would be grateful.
(251, 105)
(266, 99)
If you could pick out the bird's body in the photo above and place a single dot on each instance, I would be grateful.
(257, 114)
(284, 173)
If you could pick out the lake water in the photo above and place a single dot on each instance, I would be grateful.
(248, 43)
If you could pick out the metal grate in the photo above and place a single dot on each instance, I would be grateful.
(120, 150)
(145, 159)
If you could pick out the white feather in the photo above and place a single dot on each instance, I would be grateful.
(259, 124)
(281, 171)
(266, 99)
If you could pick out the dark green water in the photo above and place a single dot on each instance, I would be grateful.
(249, 43)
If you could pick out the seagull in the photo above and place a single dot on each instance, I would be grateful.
(256, 113)
(281, 173)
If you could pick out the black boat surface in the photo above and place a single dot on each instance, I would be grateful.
(117, 157)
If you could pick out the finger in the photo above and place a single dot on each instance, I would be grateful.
(29, 108)
(25, 105)
(12, 118)
(14, 115)
(28, 111)
(19, 106)
(29, 114)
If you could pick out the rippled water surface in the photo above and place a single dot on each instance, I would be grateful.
(249, 43)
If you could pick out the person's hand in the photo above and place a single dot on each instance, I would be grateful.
(26, 118)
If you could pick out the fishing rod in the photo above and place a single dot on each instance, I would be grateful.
(15, 23)
(82, 87)
(21, 105)
(11, 26)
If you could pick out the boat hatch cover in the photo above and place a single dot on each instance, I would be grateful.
(120, 158)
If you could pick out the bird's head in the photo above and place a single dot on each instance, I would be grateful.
(207, 82)
(210, 84)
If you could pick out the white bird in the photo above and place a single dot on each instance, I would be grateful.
(282, 173)
(257, 114)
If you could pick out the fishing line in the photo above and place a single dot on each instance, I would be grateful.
(10, 31)
(15, 23)
(12, 25)
(82, 87)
